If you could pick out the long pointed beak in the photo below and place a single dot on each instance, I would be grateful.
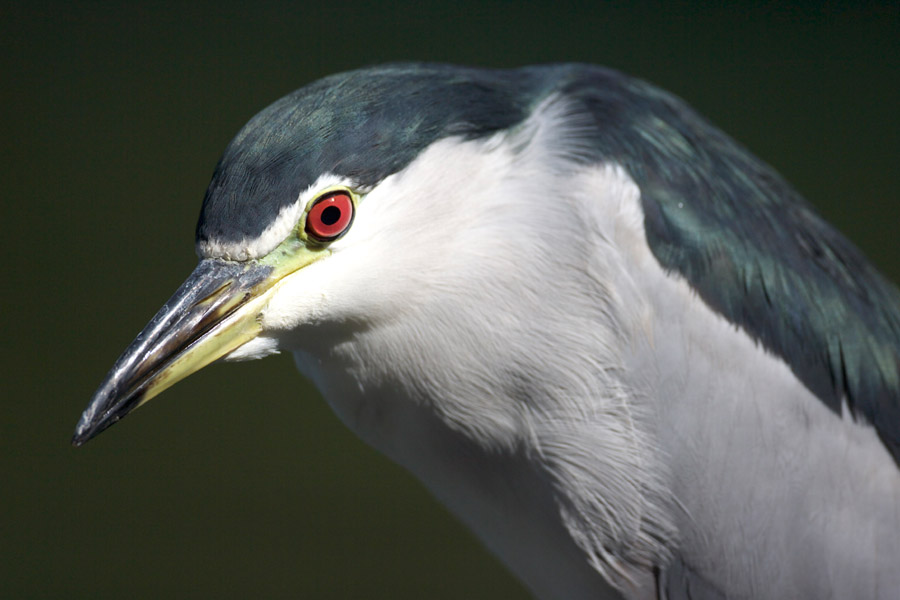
(212, 314)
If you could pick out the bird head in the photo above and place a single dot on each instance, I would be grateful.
(408, 203)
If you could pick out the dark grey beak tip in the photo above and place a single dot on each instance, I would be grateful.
(98, 417)
(84, 431)
(194, 310)
(83, 434)
(95, 421)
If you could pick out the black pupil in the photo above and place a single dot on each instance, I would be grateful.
(331, 215)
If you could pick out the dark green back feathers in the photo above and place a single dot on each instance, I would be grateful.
(757, 253)
(753, 249)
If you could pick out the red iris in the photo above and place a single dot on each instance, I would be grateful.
(330, 217)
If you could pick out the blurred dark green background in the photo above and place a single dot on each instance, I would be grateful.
(239, 482)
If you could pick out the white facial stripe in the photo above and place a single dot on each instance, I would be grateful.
(277, 231)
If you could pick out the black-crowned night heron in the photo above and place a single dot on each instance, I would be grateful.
(619, 347)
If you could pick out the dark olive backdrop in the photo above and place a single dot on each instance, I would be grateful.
(239, 482)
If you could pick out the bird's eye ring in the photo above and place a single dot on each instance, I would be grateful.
(329, 217)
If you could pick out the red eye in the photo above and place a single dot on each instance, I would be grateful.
(330, 217)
